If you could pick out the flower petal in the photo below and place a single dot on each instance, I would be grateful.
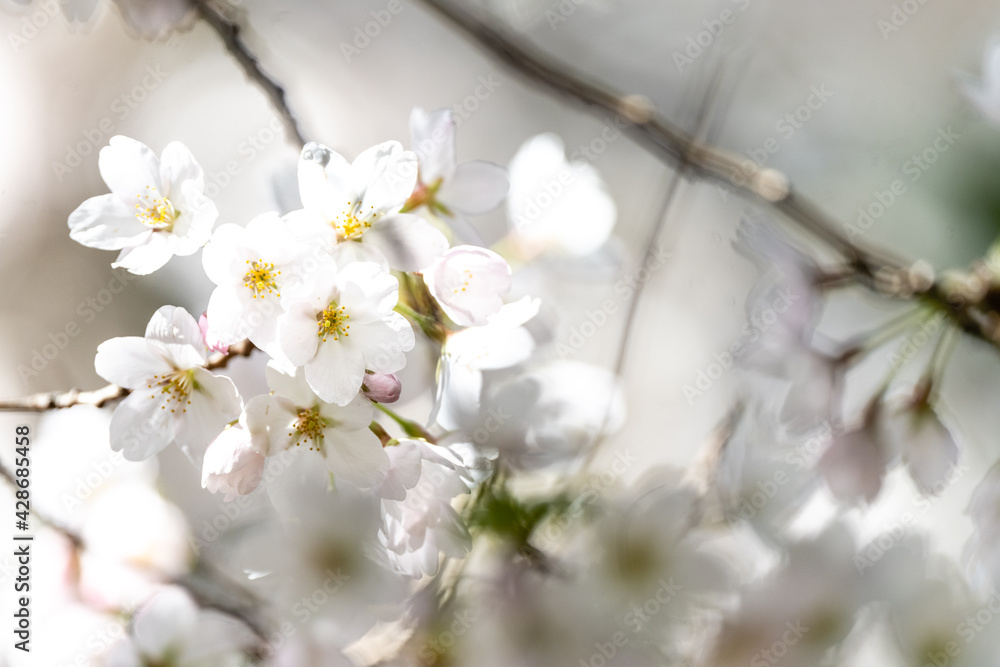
(129, 361)
(337, 371)
(106, 223)
(476, 187)
(356, 456)
(129, 167)
(141, 426)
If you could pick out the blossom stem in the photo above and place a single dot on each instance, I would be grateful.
(410, 427)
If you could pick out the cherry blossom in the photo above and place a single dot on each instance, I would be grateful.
(255, 269)
(233, 465)
(444, 186)
(294, 416)
(557, 205)
(173, 398)
(171, 630)
(157, 207)
(345, 324)
(353, 209)
(419, 522)
(469, 283)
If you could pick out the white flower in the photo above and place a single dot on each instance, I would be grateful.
(171, 630)
(419, 522)
(174, 399)
(254, 269)
(346, 324)
(294, 416)
(555, 204)
(469, 283)
(469, 188)
(985, 94)
(503, 342)
(352, 210)
(233, 464)
(156, 209)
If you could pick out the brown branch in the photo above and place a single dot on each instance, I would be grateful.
(678, 149)
(229, 31)
(100, 397)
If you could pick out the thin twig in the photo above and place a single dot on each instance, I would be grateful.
(229, 31)
(100, 397)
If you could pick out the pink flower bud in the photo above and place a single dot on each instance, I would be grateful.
(381, 387)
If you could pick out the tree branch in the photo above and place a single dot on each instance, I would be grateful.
(101, 397)
(678, 149)
(229, 31)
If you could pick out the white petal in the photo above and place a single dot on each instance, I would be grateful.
(213, 404)
(384, 343)
(177, 165)
(148, 256)
(129, 168)
(141, 425)
(853, 466)
(433, 137)
(409, 242)
(337, 371)
(384, 176)
(324, 180)
(357, 414)
(292, 386)
(129, 362)
(476, 187)
(106, 223)
(469, 283)
(356, 456)
(298, 333)
(180, 335)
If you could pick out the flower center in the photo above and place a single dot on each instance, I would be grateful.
(309, 426)
(333, 322)
(351, 224)
(261, 276)
(177, 386)
(462, 282)
(155, 211)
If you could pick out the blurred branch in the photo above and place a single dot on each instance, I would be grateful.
(229, 31)
(678, 149)
(100, 397)
(208, 587)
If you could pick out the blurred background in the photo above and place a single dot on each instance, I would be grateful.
(891, 90)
